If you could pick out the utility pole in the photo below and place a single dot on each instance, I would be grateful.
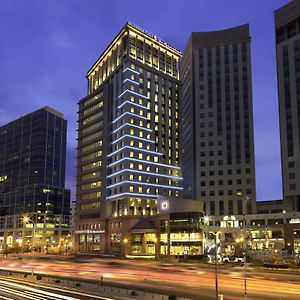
(216, 233)
(244, 201)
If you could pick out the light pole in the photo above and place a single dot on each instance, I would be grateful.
(204, 223)
(244, 201)
(216, 233)
(27, 220)
(125, 241)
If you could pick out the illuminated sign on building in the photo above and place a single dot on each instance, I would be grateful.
(3, 178)
(89, 231)
(164, 205)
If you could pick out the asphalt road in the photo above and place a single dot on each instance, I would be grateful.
(15, 289)
(192, 282)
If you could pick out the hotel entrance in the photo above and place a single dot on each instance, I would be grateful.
(143, 239)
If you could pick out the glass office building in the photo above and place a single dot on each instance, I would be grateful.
(32, 181)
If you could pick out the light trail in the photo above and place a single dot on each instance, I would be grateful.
(145, 274)
(65, 289)
(36, 291)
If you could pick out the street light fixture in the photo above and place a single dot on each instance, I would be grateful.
(216, 234)
(125, 241)
(206, 220)
(244, 199)
(204, 223)
(27, 220)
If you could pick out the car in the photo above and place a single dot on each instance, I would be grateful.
(226, 259)
(239, 259)
(233, 259)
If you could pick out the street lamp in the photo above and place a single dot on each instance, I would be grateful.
(244, 199)
(204, 223)
(216, 234)
(27, 220)
(125, 241)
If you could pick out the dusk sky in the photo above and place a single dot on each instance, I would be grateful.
(48, 46)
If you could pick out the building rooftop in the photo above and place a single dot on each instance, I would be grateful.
(138, 30)
(287, 13)
(46, 108)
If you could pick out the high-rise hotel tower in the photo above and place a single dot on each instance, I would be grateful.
(217, 120)
(287, 26)
(128, 138)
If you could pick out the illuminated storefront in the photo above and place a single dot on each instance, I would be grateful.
(38, 235)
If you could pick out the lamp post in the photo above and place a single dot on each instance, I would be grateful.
(125, 241)
(244, 199)
(27, 220)
(204, 223)
(216, 234)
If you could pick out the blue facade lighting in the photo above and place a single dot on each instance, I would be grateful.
(144, 172)
(132, 103)
(132, 125)
(144, 161)
(132, 92)
(133, 137)
(146, 184)
(135, 149)
(132, 81)
(131, 114)
(131, 194)
(133, 71)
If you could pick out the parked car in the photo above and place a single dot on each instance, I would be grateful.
(233, 259)
(239, 259)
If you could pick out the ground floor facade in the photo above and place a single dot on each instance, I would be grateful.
(277, 233)
(168, 232)
(38, 233)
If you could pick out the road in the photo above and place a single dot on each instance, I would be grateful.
(196, 283)
(15, 289)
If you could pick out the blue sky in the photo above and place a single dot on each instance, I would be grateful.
(47, 47)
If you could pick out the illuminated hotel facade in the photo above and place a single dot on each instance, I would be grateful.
(128, 143)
